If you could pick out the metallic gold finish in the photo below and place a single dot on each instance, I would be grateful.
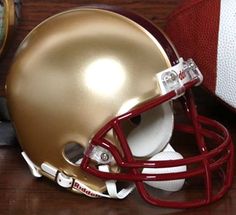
(8, 22)
(72, 74)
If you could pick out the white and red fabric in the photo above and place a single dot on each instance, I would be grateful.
(205, 30)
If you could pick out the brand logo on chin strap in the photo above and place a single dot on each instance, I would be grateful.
(77, 186)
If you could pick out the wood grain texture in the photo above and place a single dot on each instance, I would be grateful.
(35, 11)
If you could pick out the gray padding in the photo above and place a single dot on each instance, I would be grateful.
(4, 115)
(7, 134)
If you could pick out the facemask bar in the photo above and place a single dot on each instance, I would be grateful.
(222, 138)
(133, 166)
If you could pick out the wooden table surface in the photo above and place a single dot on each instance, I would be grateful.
(20, 193)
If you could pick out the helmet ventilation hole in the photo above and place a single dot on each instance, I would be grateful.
(73, 152)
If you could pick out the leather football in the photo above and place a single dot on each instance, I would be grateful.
(205, 30)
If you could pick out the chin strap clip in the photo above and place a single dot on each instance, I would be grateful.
(64, 181)
(69, 182)
(100, 155)
(61, 178)
(78, 186)
(175, 77)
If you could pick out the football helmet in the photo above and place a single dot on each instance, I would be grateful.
(91, 93)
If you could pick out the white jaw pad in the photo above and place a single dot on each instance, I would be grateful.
(168, 185)
(153, 133)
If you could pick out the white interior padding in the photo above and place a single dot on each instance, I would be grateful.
(168, 185)
(153, 133)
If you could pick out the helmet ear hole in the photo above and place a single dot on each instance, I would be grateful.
(73, 152)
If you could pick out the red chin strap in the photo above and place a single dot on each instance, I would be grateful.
(220, 158)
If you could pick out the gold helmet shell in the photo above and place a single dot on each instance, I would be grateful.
(76, 88)
(73, 73)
